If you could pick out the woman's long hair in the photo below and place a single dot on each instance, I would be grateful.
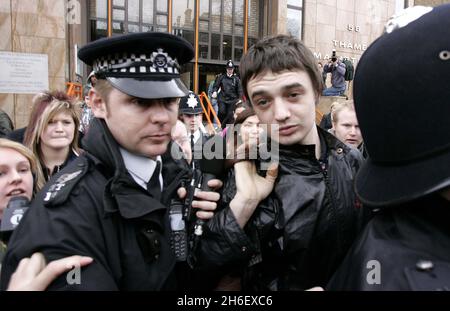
(46, 106)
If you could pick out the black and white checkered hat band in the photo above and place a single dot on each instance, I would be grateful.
(154, 63)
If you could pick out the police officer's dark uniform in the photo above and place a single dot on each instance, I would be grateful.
(94, 207)
(404, 122)
(190, 105)
(230, 92)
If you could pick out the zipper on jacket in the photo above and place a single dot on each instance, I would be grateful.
(324, 168)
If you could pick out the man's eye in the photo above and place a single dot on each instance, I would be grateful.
(261, 102)
(139, 101)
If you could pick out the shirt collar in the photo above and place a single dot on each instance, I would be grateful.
(197, 135)
(139, 166)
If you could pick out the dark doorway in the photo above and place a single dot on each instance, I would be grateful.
(206, 74)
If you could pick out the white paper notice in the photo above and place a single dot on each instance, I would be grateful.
(23, 73)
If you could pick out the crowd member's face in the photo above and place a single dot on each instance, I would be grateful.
(346, 128)
(250, 130)
(192, 121)
(15, 177)
(141, 126)
(285, 101)
(59, 132)
(230, 71)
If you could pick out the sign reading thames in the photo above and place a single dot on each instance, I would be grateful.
(23, 73)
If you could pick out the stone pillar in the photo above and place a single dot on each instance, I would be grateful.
(278, 18)
(33, 26)
(6, 100)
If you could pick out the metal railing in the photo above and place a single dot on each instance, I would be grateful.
(74, 89)
(208, 110)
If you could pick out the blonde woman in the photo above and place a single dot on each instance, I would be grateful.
(20, 175)
(52, 134)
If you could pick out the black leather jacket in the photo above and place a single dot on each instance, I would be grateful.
(299, 235)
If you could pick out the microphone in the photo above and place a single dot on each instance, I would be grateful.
(12, 215)
(212, 166)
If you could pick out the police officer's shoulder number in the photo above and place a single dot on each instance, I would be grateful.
(61, 187)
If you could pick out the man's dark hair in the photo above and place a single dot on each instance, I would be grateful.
(277, 54)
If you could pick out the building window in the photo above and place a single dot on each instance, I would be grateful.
(294, 18)
(400, 5)
(128, 16)
(183, 19)
(221, 28)
(98, 12)
(254, 21)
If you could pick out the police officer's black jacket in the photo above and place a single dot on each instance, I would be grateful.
(231, 89)
(297, 237)
(93, 207)
(402, 248)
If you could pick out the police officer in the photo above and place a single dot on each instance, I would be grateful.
(109, 203)
(230, 92)
(191, 113)
(407, 175)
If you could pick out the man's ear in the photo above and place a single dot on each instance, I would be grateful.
(98, 105)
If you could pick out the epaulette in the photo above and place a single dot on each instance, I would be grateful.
(61, 187)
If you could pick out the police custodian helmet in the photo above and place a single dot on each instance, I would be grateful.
(230, 64)
(144, 65)
(402, 101)
(190, 104)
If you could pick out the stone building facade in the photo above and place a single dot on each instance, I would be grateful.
(57, 28)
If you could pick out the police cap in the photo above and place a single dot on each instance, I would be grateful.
(144, 65)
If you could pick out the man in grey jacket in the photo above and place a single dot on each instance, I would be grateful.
(337, 70)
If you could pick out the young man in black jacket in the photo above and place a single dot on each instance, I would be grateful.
(289, 232)
(111, 203)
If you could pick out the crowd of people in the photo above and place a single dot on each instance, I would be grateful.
(138, 196)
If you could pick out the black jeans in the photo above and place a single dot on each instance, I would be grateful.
(226, 108)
